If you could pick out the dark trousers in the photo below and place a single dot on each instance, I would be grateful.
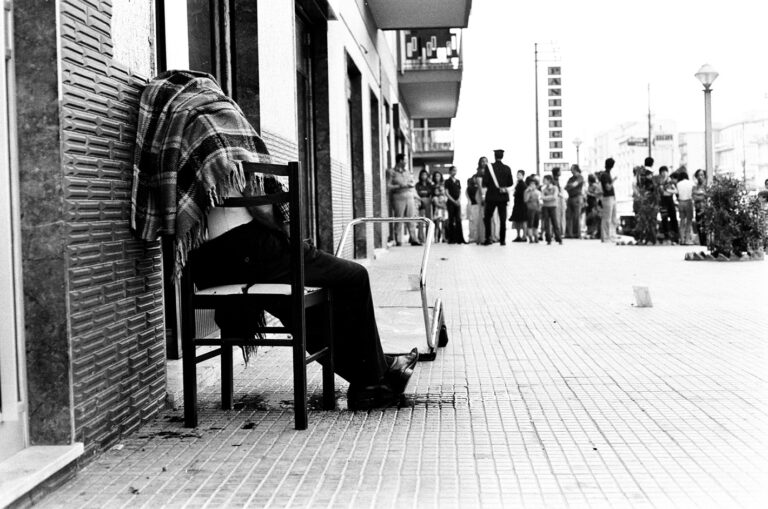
(700, 228)
(252, 253)
(454, 231)
(490, 206)
(669, 225)
(549, 223)
(573, 217)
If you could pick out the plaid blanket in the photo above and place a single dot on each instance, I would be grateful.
(190, 141)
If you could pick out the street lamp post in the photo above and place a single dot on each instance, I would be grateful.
(707, 75)
(577, 143)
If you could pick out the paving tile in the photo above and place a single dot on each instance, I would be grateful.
(554, 391)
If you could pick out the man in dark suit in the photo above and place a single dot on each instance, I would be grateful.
(497, 180)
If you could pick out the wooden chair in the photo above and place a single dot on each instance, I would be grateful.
(295, 295)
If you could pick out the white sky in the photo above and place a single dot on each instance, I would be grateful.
(610, 51)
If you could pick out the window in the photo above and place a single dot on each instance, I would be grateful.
(555, 113)
(555, 123)
(553, 71)
(555, 134)
(555, 155)
(555, 102)
(553, 82)
(555, 144)
(555, 92)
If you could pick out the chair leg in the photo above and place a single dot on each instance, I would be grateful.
(227, 375)
(329, 395)
(300, 378)
(189, 382)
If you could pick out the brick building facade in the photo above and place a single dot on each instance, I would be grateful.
(87, 318)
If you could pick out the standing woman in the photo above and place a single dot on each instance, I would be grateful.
(519, 215)
(477, 218)
(699, 200)
(424, 193)
(454, 231)
(400, 185)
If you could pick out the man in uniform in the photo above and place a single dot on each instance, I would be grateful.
(497, 182)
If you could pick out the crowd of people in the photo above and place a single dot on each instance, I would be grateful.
(670, 196)
(432, 196)
(667, 206)
(542, 209)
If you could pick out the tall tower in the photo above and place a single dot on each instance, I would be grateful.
(550, 103)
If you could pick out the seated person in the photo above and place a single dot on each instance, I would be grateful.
(189, 143)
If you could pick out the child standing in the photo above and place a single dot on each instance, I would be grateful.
(549, 219)
(532, 198)
(439, 212)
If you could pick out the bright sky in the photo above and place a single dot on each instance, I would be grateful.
(610, 51)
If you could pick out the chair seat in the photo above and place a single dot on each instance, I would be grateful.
(257, 289)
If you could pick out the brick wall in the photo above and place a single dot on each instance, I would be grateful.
(281, 149)
(114, 282)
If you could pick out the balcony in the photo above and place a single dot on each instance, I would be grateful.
(431, 72)
(433, 145)
(409, 14)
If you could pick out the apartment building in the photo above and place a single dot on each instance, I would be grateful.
(88, 313)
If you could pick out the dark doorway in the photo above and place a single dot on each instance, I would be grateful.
(305, 122)
(376, 167)
(355, 124)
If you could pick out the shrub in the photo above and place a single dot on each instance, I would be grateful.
(735, 221)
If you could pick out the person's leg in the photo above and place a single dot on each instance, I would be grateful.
(254, 254)
(556, 231)
(410, 211)
(494, 228)
(605, 219)
(675, 227)
(536, 221)
(399, 205)
(450, 227)
(547, 217)
(487, 213)
(471, 222)
(502, 211)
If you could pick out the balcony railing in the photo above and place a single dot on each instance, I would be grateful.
(430, 50)
(432, 139)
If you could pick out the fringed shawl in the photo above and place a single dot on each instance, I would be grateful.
(190, 141)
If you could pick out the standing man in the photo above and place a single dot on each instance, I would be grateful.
(454, 232)
(575, 189)
(400, 185)
(608, 214)
(497, 182)
(667, 210)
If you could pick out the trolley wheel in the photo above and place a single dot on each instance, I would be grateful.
(443, 337)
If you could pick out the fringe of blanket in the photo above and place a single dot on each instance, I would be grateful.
(197, 235)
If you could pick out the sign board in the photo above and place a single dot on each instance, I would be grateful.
(637, 142)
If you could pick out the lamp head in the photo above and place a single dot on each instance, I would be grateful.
(707, 75)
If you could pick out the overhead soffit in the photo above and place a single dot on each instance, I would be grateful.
(408, 14)
(431, 100)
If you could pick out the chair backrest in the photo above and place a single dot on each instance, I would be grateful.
(295, 199)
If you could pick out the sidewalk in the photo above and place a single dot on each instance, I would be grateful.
(554, 391)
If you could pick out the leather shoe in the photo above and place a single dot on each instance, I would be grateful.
(370, 396)
(399, 373)
(416, 243)
(405, 361)
(487, 243)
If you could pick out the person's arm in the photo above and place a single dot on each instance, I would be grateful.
(391, 186)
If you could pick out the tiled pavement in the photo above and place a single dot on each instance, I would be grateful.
(554, 391)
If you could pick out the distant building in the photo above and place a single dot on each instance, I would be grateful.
(741, 150)
(627, 144)
(691, 148)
